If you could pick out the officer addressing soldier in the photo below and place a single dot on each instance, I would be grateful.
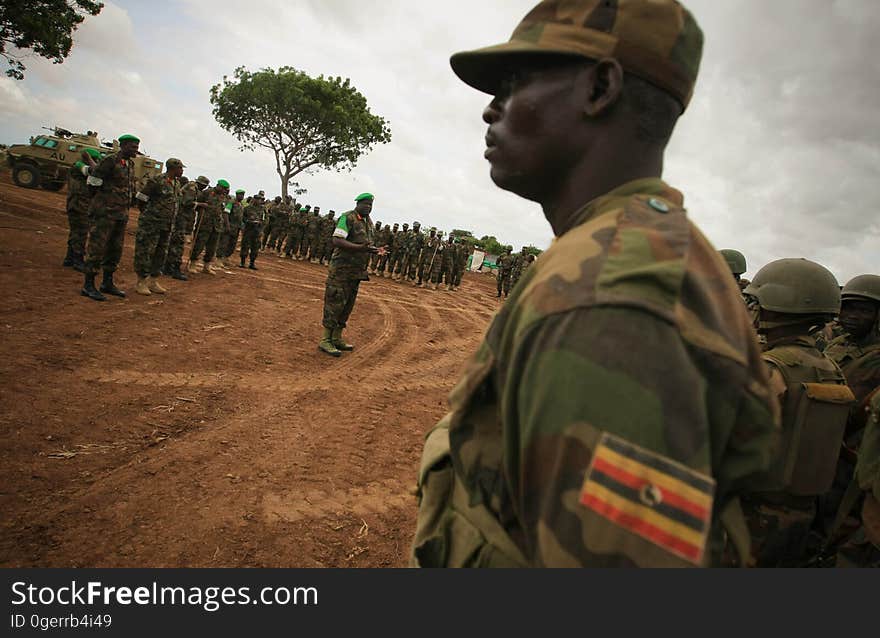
(574, 437)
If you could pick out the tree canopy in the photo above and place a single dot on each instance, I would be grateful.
(307, 122)
(43, 26)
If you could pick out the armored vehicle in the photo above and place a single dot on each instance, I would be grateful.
(46, 160)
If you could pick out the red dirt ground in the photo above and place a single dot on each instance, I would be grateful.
(204, 428)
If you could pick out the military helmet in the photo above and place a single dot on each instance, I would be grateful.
(796, 286)
(862, 287)
(735, 260)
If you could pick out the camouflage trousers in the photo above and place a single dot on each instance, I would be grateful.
(781, 531)
(151, 245)
(276, 238)
(267, 232)
(409, 266)
(456, 275)
(394, 262)
(250, 242)
(382, 262)
(78, 221)
(106, 239)
(207, 240)
(313, 244)
(339, 298)
(228, 242)
(294, 239)
(182, 227)
(503, 282)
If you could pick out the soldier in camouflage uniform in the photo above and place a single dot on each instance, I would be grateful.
(313, 235)
(294, 233)
(430, 253)
(183, 225)
(158, 200)
(574, 437)
(235, 208)
(461, 257)
(504, 265)
(412, 249)
(113, 179)
(378, 236)
(857, 352)
(79, 198)
(269, 228)
(213, 223)
(516, 270)
(353, 242)
(398, 252)
(253, 219)
(448, 266)
(281, 212)
(790, 300)
(387, 240)
(325, 243)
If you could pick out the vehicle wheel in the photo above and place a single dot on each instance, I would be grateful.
(53, 186)
(26, 175)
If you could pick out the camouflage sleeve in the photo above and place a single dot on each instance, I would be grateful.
(618, 459)
(104, 169)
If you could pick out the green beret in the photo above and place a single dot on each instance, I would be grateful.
(94, 153)
(78, 165)
(240, 190)
(223, 183)
(128, 138)
(364, 196)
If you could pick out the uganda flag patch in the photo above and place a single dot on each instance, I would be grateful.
(650, 495)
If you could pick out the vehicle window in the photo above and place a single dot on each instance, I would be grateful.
(40, 141)
(72, 147)
(50, 144)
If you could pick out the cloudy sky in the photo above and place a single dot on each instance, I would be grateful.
(778, 154)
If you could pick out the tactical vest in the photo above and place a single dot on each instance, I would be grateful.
(814, 415)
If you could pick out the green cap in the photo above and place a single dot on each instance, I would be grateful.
(656, 40)
(78, 165)
(240, 191)
(364, 196)
(128, 138)
(223, 183)
(94, 153)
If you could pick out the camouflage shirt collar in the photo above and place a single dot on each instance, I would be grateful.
(649, 186)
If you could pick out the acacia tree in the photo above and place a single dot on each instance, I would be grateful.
(44, 26)
(306, 122)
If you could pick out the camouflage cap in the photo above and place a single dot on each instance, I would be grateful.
(656, 40)
(173, 162)
(201, 179)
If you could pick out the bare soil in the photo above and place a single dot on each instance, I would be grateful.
(203, 428)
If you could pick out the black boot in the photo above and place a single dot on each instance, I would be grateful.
(90, 291)
(109, 287)
(241, 265)
(69, 259)
(179, 276)
(252, 267)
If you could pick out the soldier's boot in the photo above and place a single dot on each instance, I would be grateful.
(143, 287)
(107, 286)
(89, 290)
(154, 286)
(179, 276)
(326, 344)
(252, 267)
(241, 265)
(192, 267)
(206, 268)
(336, 338)
(69, 259)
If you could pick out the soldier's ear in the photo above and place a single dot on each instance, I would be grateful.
(601, 85)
